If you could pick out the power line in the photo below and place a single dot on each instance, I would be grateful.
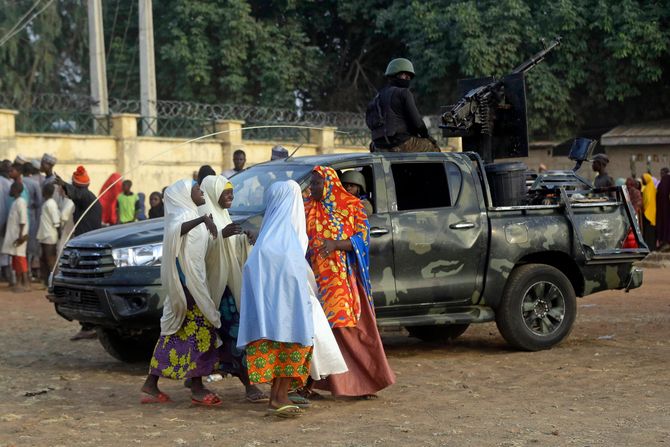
(21, 19)
(11, 34)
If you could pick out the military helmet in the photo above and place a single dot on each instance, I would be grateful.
(398, 66)
(354, 177)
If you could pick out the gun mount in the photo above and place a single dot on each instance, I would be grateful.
(491, 114)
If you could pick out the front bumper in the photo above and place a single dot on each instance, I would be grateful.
(131, 307)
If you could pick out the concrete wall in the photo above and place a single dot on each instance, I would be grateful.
(150, 162)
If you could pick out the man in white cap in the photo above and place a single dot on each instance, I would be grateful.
(47, 167)
(278, 153)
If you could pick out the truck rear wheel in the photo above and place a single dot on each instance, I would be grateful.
(538, 307)
(439, 333)
(129, 348)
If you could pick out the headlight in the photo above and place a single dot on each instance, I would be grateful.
(144, 255)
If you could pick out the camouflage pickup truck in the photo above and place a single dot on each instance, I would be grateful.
(443, 255)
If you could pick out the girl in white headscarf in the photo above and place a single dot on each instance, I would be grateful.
(225, 257)
(188, 344)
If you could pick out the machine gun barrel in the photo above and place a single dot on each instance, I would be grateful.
(537, 58)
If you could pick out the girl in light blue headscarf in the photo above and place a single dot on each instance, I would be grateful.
(276, 321)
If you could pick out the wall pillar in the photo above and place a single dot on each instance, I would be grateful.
(124, 131)
(231, 140)
(8, 134)
(324, 139)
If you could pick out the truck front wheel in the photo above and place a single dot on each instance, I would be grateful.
(538, 307)
(440, 333)
(129, 348)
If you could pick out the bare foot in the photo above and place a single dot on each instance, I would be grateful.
(151, 386)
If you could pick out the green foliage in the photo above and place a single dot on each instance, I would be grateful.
(610, 68)
(44, 55)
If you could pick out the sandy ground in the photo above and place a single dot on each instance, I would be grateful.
(607, 384)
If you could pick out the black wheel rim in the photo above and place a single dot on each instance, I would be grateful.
(543, 308)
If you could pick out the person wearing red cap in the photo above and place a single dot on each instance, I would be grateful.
(79, 193)
(82, 198)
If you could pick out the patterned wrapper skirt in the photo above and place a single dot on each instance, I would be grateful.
(189, 352)
(269, 360)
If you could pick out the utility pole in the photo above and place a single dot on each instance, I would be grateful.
(96, 44)
(147, 69)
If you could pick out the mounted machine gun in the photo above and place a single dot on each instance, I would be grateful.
(491, 114)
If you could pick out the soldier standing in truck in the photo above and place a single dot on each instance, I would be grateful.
(392, 116)
(603, 179)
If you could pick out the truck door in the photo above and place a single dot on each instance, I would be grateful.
(438, 238)
(381, 238)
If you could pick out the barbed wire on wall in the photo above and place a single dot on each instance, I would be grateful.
(185, 118)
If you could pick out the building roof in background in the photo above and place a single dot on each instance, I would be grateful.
(563, 148)
(651, 133)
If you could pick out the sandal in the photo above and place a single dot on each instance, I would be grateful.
(309, 394)
(287, 411)
(210, 400)
(257, 397)
(298, 400)
(161, 398)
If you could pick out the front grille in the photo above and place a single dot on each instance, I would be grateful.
(79, 299)
(86, 262)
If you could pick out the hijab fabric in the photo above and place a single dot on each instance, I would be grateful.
(649, 198)
(339, 216)
(663, 210)
(634, 194)
(225, 256)
(108, 199)
(275, 302)
(190, 251)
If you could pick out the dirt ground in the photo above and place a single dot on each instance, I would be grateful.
(607, 384)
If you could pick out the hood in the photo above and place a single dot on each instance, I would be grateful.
(145, 232)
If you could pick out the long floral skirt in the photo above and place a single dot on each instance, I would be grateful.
(269, 360)
(189, 352)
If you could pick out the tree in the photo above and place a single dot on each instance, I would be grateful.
(331, 54)
(45, 55)
(608, 69)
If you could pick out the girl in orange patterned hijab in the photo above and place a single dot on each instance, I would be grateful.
(338, 232)
(337, 228)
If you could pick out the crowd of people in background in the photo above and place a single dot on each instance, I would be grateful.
(654, 211)
(650, 198)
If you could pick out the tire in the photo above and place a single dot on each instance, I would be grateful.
(128, 348)
(538, 307)
(439, 333)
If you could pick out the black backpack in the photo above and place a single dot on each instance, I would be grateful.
(375, 114)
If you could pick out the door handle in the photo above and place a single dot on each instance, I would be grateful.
(462, 226)
(376, 231)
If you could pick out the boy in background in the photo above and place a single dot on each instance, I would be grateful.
(127, 203)
(16, 237)
(49, 231)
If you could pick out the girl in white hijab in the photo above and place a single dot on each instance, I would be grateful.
(225, 257)
(188, 344)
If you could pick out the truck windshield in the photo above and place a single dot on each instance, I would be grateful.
(250, 185)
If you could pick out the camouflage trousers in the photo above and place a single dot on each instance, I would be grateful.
(414, 144)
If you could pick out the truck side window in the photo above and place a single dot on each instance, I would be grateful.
(368, 175)
(455, 178)
(420, 185)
